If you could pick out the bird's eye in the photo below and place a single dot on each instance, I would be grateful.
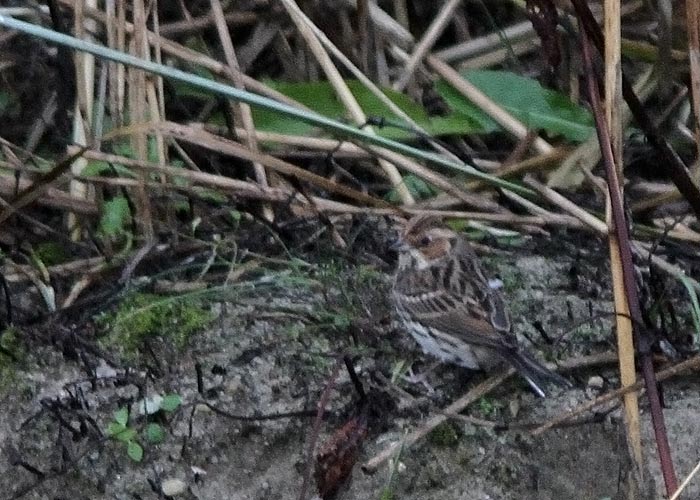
(425, 240)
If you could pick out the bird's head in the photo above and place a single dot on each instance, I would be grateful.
(424, 241)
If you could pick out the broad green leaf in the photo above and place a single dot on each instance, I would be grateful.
(121, 416)
(135, 451)
(320, 97)
(115, 428)
(97, 167)
(123, 148)
(416, 186)
(115, 215)
(170, 402)
(126, 435)
(537, 107)
(155, 433)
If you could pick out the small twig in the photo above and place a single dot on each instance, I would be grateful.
(480, 390)
(690, 364)
(685, 482)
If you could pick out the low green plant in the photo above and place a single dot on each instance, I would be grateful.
(488, 407)
(444, 435)
(152, 433)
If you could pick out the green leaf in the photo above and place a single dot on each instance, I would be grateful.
(235, 215)
(115, 215)
(320, 97)
(97, 168)
(155, 433)
(170, 402)
(135, 451)
(115, 428)
(123, 149)
(121, 416)
(416, 186)
(537, 107)
(211, 195)
(125, 436)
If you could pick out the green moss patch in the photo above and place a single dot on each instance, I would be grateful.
(444, 435)
(143, 316)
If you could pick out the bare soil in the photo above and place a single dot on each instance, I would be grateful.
(264, 355)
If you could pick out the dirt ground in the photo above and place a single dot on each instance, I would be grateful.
(271, 350)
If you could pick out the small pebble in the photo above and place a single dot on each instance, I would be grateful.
(514, 407)
(596, 382)
(173, 487)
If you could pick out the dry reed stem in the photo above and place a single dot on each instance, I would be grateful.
(407, 164)
(426, 43)
(486, 104)
(369, 84)
(186, 55)
(51, 196)
(245, 111)
(227, 147)
(500, 56)
(493, 42)
(535, 163)
(83, 111)
(624, 330)
(343, 93)
(472, 395)
(391, 29)
(138, 105)
(567, 206)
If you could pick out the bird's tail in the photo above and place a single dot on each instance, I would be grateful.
(536, 374)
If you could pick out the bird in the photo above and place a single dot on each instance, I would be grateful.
(443, 298)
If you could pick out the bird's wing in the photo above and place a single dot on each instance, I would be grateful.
(463, 305)
(463, 319)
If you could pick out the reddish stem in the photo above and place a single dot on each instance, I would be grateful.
(642, 337)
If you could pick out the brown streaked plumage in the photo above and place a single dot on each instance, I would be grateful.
(445, 301)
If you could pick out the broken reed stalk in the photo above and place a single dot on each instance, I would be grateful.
(643, 341)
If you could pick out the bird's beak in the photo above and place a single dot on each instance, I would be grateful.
(398, 245)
